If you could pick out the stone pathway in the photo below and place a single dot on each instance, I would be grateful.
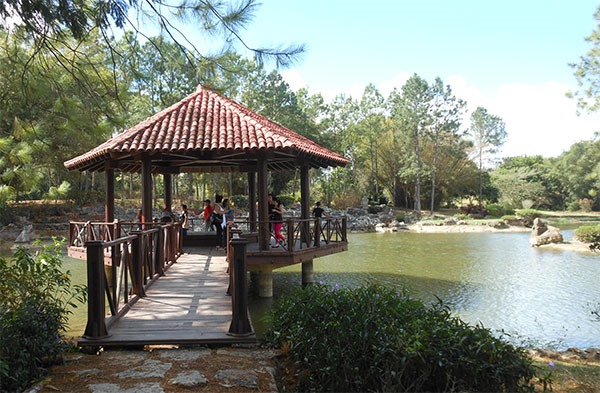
(163, 369)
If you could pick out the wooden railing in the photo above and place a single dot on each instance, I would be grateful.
(303, 233)
(121, 263)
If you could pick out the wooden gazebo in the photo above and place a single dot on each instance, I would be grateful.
(207, 132)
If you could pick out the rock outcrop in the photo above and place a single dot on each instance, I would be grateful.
(544, 234)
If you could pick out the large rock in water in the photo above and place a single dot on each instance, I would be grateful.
(544, 234)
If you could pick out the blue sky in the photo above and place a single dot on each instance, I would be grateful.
(509, 56)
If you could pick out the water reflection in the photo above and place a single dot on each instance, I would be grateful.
(539, 296)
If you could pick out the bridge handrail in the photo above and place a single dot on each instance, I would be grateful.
(120, 270)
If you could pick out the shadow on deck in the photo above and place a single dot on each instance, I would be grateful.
(187, 306)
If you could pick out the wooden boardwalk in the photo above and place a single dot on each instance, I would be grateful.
(189, 305)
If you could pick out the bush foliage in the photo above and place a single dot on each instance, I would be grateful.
(378, 339)
(528, 214)
(37, 297)
(588, 233)
(499, 210)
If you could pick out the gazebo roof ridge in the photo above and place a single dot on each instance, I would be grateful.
(205, 126)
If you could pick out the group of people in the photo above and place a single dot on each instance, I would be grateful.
(218, 215)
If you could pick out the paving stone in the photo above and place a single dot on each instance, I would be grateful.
(235, 377)
(184, 355)
(125, 358)
(150, 387)
(189, 379)
(149, 369)
(90, 371)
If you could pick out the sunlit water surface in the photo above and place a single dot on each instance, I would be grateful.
(540, 297)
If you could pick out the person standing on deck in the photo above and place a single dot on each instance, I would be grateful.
(278, 223)
(219, 220)
(166, 215)
(318, 211)
(208, 210)
(184, 219)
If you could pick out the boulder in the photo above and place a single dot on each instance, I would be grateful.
(450, 221)
(539, 227)
(544, 234)
(498, 224)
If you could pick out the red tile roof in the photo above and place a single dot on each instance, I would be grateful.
(202, 132)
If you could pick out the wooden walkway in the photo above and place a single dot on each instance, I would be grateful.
(189, 305)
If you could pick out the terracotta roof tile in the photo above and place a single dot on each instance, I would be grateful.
(205, 122)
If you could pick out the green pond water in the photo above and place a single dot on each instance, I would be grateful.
(540, 297)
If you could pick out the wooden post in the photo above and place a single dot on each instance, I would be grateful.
(307, 267)
(308, 277)
(159, 255)
(96, 282)
(240, 322)
(137, 266)
(305, 203)
(263, 208)
(252, 200)
(317, 232)
(265, 281)
(147, 191)
(168, 191)
(232, 233)
(109, 198)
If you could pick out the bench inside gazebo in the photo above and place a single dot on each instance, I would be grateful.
(207, 132)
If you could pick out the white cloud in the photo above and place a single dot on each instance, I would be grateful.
(539, 118)
(294, 79)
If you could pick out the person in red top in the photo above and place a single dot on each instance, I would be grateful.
(208, 210)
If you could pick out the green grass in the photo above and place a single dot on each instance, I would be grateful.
(572, 377)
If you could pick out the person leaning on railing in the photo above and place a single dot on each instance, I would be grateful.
(278, 223)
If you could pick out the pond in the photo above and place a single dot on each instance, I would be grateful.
(541, 297)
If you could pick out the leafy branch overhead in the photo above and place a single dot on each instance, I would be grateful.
(51, 23)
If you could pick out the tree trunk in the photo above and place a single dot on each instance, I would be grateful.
(433, 175)
(418, 175)
(480, 176)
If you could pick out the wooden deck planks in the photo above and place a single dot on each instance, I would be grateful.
(189, 305)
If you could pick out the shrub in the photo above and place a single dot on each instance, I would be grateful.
(378, 339)
(499, 210)
(573, 206)
(588, 233)
(474, 211)
(461, 216)
(528, 215)
(400, 217)
(586, 204)
(36, 300)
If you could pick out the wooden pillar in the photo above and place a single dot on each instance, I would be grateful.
(109, 199)
(252, 200)
(168, 198)
(307, 267)
(265, 282)
(263, 209)
(96, 326)
(146, 189)
(305, 191)
(240, 321)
